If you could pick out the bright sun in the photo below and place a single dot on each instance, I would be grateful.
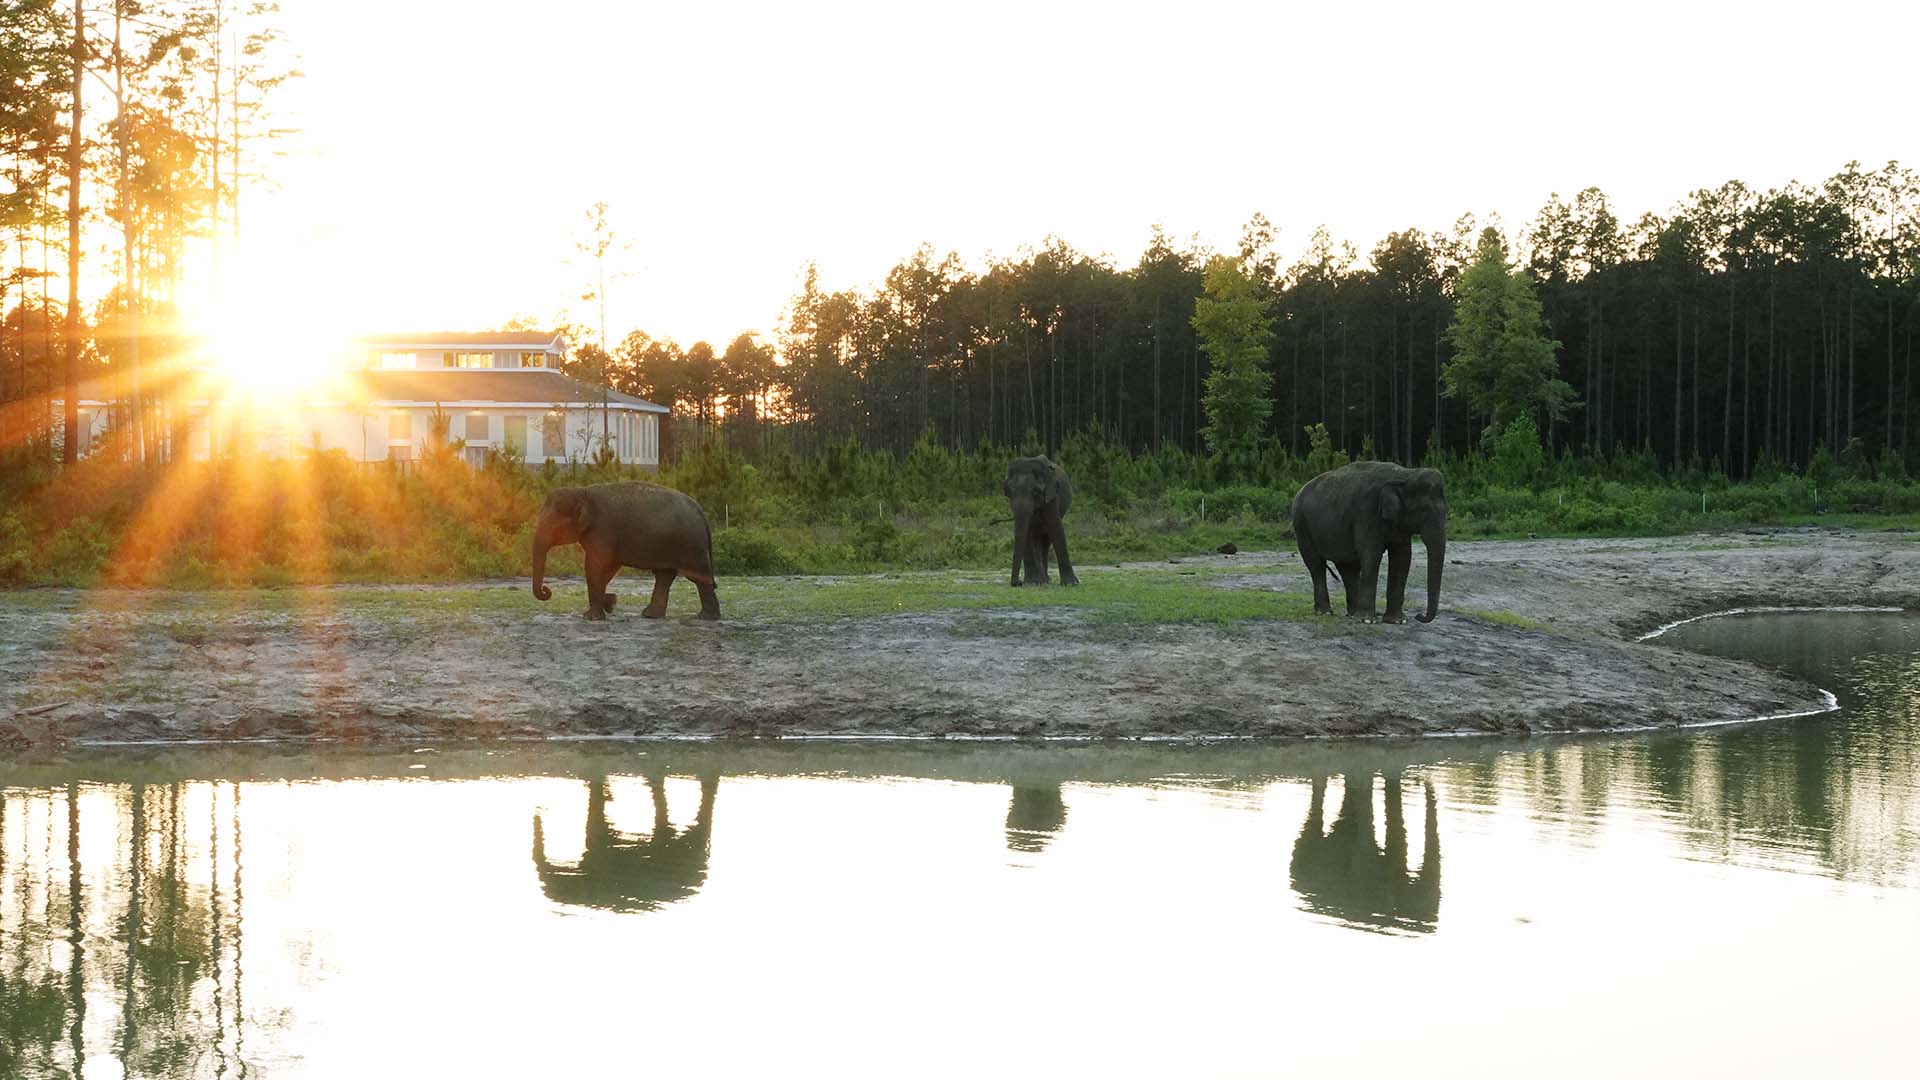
(258, 345)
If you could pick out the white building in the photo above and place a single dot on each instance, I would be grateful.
(496, 390)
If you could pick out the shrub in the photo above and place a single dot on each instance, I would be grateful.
(751, 551)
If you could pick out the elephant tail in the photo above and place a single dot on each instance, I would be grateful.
(1335, 571)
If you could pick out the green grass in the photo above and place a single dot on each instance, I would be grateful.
(1107, 595)
(1504, 618)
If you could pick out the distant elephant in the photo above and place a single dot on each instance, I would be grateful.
(1039, 495)
(644, 526)
(1034, 816)
(626, 873)
(1340, 871)
(1352, 515)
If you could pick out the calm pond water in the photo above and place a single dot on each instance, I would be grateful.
(1735, 901)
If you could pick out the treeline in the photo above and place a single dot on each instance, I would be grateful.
(126, 129)
(1742, 327)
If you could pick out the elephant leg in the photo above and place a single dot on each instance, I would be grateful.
(1067, 576)
(1317, 570)
(659, 805)
(601, 567)
(1350, 580)
(657, 607)
(1370, 585)
(1399, 560)
(709, 600)
(1019, 556)
(1036, 553)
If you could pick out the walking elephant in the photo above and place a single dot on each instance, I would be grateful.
(1039, 495)
(1353, 515)
(644, 526)
(621, 872)
(1341, 872)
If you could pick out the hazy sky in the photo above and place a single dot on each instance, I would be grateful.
(448, 148)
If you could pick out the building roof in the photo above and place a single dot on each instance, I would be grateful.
(476, 338)
(524, 386)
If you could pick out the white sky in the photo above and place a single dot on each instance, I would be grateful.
(449, 148)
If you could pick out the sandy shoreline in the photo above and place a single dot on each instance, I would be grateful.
(79, 668)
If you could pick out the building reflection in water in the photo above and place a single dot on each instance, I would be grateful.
(1033, 817)
(1345, 873)
(152, 924)
(622, 872)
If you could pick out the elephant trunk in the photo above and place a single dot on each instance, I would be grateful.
(1022, 521)
(1435, 537)
(540, 544)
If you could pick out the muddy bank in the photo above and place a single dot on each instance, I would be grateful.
(488, 662)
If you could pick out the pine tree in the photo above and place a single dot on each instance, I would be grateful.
(1234, 329)
(1503, 359)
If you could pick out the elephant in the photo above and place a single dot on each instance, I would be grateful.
(1352, 515)
(644, 526)
(619, 872)
(1340, 872)
(1039, 495)
(1033, 817)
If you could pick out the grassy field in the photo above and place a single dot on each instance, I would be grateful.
(321, 519)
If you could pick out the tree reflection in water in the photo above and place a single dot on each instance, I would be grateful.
(153, 923)
(621, 872)
(1343, 873)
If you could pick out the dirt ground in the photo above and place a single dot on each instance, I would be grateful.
(488, 662)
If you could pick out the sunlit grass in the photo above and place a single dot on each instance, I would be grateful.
(1127, 596)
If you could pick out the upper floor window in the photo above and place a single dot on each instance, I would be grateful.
(467, 359)
(533, 359)
(396, 361)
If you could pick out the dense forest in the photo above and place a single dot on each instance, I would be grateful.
(1742, 326)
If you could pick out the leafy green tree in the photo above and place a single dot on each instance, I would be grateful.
(1503, 359)
(1235, 330)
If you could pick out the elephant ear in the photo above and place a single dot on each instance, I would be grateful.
(1059, 491)
(583, 512)
(1392, 502)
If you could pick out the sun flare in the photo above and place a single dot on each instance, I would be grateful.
(256, 345)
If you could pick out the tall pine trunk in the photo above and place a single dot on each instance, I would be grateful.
(70, 445)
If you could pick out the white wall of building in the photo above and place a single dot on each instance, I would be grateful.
(382, 433)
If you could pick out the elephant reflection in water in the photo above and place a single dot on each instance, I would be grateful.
(1341, 872)
(622, 872)
(1035, 814)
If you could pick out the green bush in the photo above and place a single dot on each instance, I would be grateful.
(751, 551)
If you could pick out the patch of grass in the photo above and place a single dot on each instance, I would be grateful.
(1107, 595)
(1505, 618)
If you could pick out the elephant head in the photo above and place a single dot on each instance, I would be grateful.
(564, 519)
(620, 872)
(1039, 495)
(1417, 506)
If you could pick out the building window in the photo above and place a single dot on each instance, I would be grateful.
(396, 361)
(533, 359)
(479, 427)
(400, 427)
(402, 452)
(553, 435)
(466, 359)
(516, 433)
